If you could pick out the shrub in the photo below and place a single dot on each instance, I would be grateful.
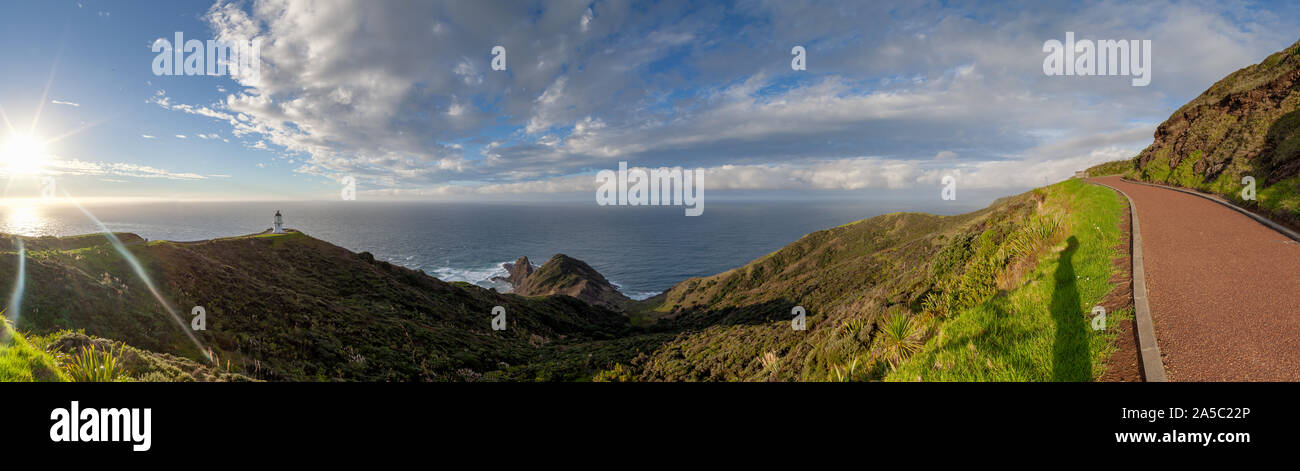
(617, 374)
(899, 338)
(93, 365)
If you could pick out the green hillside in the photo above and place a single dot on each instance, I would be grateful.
(893, 297)
(899, 296)
(20, 361)
(291, 307)
(1247, 124)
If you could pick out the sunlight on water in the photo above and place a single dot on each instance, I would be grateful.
(26, 218)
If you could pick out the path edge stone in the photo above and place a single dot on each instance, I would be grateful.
(1153, 366)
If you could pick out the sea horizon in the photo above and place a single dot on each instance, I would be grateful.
(471, 240)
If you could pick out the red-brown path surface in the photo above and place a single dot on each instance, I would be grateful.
(1224, 290)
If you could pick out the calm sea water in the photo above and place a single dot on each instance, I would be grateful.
(644, 250)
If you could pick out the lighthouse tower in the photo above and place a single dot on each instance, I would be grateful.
(279, 223)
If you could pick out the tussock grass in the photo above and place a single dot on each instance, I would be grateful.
(900, 338)
(91, 364)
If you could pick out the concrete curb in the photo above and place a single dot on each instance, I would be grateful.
(1153, 366)
(1260, 219)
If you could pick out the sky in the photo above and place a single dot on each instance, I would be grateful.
(401, 96)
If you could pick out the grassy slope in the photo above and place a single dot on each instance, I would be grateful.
(1040, 330)
(291, 307)
(20, 361)
(853, 272)
(736, 325)
(1117, 167)
(297, 308)
(42, 358)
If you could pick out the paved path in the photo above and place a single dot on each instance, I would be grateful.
(1224, 289)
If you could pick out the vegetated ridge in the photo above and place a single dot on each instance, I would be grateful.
(1245, 125)
(1000, 293)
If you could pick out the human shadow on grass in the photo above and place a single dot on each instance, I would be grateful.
(1070, 358)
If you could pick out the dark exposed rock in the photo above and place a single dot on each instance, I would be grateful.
(565, 275)
(1245, 124)
(518, 272)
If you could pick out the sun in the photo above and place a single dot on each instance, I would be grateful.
(22, 155)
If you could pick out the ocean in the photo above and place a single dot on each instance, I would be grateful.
(643, 250)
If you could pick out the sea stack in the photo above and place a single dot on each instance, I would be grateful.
(518, 271)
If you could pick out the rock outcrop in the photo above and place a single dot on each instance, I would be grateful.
(565, 275)
(1248, 123)
(518, 272)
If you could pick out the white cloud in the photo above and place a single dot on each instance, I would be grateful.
(77, 167)
(842, 174)
(666, 85)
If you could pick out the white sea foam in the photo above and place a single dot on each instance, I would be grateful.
(481, 276)
(641, 295)
(637, 295)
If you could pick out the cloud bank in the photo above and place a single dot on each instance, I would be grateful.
(403, 97)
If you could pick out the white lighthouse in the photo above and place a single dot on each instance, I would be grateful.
(279, 223)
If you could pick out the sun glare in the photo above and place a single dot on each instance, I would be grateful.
(23, 218)
(22, 155)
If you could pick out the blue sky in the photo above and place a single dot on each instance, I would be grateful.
(401, 96)
(92, 56)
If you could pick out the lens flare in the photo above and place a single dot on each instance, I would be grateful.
(23, 155)
(14, 309)
(139, 271)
